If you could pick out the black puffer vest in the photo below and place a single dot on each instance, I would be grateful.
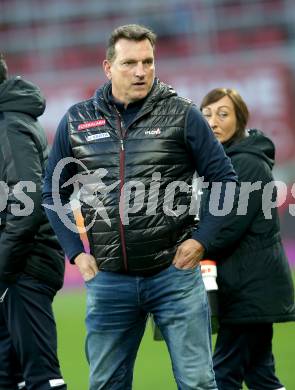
(132, 204)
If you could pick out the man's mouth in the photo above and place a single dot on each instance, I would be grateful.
(139, 83)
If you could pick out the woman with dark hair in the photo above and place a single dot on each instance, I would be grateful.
(254, 278)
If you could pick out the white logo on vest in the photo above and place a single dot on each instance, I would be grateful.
(153, 132)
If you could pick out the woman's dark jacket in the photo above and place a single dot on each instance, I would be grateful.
(254, 277)
(27, 242)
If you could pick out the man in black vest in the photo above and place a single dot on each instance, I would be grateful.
(134, 148)
(31, 260)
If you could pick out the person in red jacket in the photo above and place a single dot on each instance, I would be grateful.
(255, 287)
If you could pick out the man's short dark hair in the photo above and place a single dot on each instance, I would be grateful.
(3, 69)
(133, 32)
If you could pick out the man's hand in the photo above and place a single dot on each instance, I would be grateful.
(87, 266)
(188, 254)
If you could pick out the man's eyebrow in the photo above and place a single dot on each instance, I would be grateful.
(135, 60)
(128, 59)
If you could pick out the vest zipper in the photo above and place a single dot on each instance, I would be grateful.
(121, 202)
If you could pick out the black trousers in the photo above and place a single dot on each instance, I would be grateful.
(28, 340)
(243, 353)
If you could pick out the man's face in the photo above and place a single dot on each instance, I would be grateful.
(131, 71)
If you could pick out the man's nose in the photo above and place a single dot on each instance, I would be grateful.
(139, 70)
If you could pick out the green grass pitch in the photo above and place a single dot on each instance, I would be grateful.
(152, 369)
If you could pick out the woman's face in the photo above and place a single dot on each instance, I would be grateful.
(221, 118)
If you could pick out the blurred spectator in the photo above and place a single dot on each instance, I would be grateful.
(31, 260)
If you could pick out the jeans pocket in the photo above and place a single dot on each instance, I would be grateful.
(188, 270)
(87, 282)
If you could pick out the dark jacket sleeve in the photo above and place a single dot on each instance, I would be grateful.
(250, 170)
(211, 163)
(69, 240)
(20, 162)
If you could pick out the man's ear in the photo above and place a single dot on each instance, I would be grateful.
(107, 69)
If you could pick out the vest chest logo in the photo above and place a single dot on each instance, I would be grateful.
(153, 132)
(94, 137)
(88, 125)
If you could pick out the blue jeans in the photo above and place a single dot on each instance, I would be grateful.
(117, 310)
